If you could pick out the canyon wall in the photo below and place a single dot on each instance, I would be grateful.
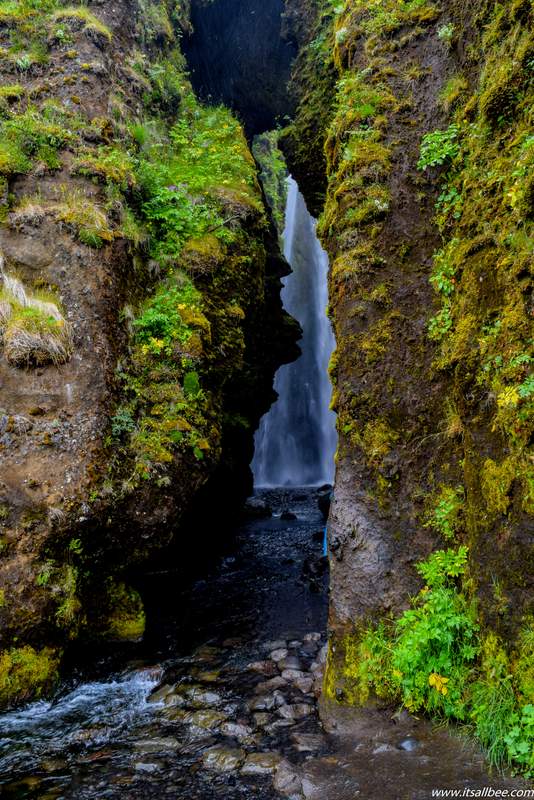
(427, 151)
(140, 317)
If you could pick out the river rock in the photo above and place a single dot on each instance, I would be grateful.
(273, 683)
(205, 719)
(236, 730)
(223, 759)
(157, 744)
(293, 674)
(279, 644)
(160, 694)
(265, 702)
(312, 637)
(409, 745)
(307, 742)
(261, 764)
(263, 667)
(286, 779)
(279, 654)
(295, 711)
(305, 684)
(148, 768)
(199, 697)
(289, 662)
(262, 719)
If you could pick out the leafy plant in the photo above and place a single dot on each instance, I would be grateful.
(520, 739)
(447, 514)
(439, 147)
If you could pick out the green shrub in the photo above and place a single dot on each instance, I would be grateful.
(520, 740)
(439, 147)
(446, 517)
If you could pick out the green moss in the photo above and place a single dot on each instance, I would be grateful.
(84, 15)
(126, 621)
(496, 485)
(26, 673)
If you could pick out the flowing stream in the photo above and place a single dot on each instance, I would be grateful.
(296, 440)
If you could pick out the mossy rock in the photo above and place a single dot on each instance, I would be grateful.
(26, 673)
(126, 620)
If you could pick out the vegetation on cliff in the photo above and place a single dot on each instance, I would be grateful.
(428, 160)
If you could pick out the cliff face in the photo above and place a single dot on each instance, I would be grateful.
(139, 310)
(428, 222)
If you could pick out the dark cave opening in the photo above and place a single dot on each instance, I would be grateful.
(240, 54)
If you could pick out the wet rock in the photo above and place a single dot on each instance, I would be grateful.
(205, 719)
(160, 694)
(277, 724)
(175, 713)
(209, 677)
(383, 748)
(279, 644)
(289, 662)
(260, 764)
(286, 779)
(279, 654)
(157, 744)
(263, 667)
(148, 768)
(293, 674)
(312, 637)
(256, 508)
(305, 684)
(273, 683)
(295, 643)
(200, 697)
(223, 759)
(236, 730)
(307, 742)
(265, 702)
(262, 719)
(295, 711)
(409, 745)
(310, 788)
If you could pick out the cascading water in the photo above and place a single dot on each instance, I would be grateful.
(296, 440)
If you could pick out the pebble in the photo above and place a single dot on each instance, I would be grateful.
(160, 694)
(409, 745)
(200, 697)
(312, 637)
(260, 764)
(262, 719)
(383, 748)
(264, 667)
(148, 768)
(305, 684)
(278, 655)
(293, 674)
(279, 644)
(223, 759)
(265, 702)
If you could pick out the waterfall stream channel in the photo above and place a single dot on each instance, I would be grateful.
(220, 700)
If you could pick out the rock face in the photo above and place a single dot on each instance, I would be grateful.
(104, 449)
(430, 303)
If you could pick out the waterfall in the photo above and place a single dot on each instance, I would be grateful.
(296, 439)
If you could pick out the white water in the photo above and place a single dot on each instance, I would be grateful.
(296, 441)
(88, 717)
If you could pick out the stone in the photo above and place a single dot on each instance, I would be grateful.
(295, 643)
(262, 719)
(293, 674)
(286, 779)
(289, 662)
(278, 654)
(209, 676)
(305, 684)
(307, 742)
(295, 711)
(312, 637)
(264, 667)
(383, 748)
(260, 764)
(279, 644)
(148, 768)
(223, 759)
(160, 694)
(273, 683)
(206, 719)
(265, 702)
(409, 745)
(200, 697)
(236, 730)
(309, 788)
(157, 745)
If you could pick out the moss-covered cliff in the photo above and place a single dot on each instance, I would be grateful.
(428, 222)
(139, 310)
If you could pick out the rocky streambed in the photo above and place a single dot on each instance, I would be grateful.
(220, 701)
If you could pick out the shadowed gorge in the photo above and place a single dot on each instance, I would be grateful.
(240, 54)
